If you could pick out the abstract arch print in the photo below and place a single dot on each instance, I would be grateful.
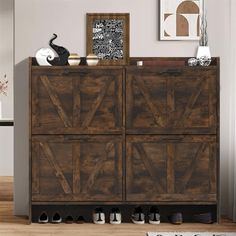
(180, 19)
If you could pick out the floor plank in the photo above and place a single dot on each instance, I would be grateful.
(6, 188)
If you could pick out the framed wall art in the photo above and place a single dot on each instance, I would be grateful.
(108, 37)
(180, 19)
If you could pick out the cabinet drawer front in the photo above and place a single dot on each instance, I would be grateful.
(77, 102)
(181, 101)
(171, 168)
(76, 168)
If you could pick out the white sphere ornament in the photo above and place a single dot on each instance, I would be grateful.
(44, 56)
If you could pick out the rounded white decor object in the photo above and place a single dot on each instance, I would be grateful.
(44, 55)
(92, 60)
(74, 59)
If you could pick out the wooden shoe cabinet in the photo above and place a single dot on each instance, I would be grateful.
(124, 136)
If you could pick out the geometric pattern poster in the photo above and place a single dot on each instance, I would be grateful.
(180, 19)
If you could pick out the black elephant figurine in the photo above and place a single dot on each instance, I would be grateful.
(62, 53)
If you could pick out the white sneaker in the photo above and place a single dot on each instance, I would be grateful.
(138, 216)
(43, 218)
(98, 216)
(115, 216)
(154, 216)
(56, 219)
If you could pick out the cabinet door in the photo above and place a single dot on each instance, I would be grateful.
(76, 101)
(171, 101)
(171, 168)
(76, 168)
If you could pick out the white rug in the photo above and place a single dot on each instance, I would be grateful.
(191, 234)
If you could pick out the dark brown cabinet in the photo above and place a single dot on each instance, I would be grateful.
(171, 168)
(76, 101)
(124, 135)
(171, 101)
(76, 168)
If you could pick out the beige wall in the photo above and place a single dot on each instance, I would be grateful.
(6, 151)
(6, 54)
(36, 20)
(6, 68)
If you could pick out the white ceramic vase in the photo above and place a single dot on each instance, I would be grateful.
(203, 51)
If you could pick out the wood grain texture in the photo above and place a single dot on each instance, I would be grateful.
(6, 188)
(77, 102)
(96, 104)
(78, 168)
(177, 168)
(171, 101)
(55, 100)
(125, 135)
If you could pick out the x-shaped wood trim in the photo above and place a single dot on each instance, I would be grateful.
(191, 102)
(189, 172)
(56, 101)
(91, 180)
(89, 117)
(155, 111)
(55, 166)
(149, 167)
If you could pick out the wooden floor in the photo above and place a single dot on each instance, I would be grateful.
(11, 225)
(6, 188)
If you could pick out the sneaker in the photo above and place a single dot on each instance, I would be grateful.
(69, 219)
(138, 216)
(98, 216)
(115, 216)
(176, 218)
(56, 219)
(154, 216)
(43, 218)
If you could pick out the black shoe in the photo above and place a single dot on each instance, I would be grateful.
(69, 219)
(43, 218)
(205, 218)
(80, 220)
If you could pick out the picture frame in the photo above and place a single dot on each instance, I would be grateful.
(180, 19)
(108, 37)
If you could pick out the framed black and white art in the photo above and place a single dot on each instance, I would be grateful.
(108, 37)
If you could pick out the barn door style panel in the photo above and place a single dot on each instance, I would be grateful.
(76, 168)
(171, 168)
(177, 101)
(76, 101)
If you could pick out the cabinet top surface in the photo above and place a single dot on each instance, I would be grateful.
(154, 62)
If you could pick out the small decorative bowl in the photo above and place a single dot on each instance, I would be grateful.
(74, 59)
(92, 60)
(193, 61)
(204, 61)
